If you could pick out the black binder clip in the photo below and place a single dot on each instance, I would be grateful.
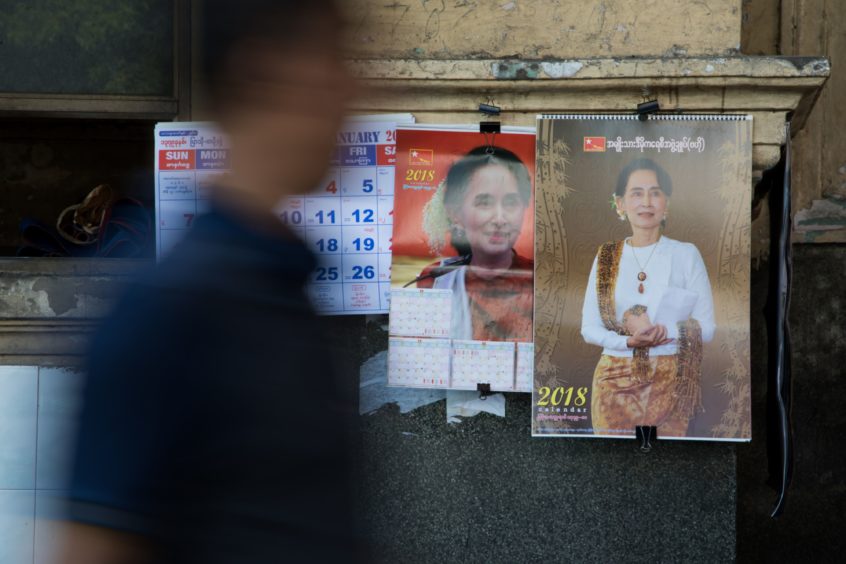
(646, 108)
(646, 435)
(489, 128)
(489, 109)
(484, 390)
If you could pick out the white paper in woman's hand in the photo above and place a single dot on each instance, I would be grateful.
(672, 305)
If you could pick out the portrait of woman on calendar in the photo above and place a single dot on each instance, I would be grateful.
(643, 270)
(483, 200)
(648, 304)
(467, 227)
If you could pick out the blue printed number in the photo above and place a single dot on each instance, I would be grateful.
(327, 274)
(330, 245)
(363, 216)
(361, 272)
(294, 217)
(367, 186)
(330, 215)
(367, 244)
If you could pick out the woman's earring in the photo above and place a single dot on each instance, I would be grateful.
(622, 216)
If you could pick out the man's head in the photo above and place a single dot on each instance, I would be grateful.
(275, 80)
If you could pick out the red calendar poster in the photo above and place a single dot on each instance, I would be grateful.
(463, 263)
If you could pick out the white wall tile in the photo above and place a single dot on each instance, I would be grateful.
(59, 404)
(18, 407)
(17, 526)
(48, 530)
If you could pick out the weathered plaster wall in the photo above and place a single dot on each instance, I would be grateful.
(810, 28)
(760, 32)
(819, 26)
(456, 29)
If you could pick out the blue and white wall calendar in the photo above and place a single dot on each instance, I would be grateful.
(347, 221)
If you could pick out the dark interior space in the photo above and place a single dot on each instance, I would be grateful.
(47, 165)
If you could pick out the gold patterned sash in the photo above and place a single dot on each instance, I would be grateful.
(687, 396)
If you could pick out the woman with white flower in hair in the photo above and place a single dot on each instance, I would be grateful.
(648, 304)
(482, 204)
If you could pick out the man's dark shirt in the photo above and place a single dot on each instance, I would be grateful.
(212, 421)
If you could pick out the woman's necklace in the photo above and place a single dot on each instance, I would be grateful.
(641, 275)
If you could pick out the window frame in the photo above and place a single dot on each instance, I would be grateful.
(110, 106)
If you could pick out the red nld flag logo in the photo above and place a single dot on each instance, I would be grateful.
(594, 145)
(421, 157)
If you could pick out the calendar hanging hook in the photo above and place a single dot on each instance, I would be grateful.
(489, 129)
(646, 433)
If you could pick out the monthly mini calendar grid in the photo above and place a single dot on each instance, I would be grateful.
(482, 362)
(418, 362)
(525, 369)
(188, 158)
(420, 312)
(347, 221)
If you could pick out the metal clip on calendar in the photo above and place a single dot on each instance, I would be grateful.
(646, 434)
(489, 109)
(489, 128)
(646, 108)
(484, 391)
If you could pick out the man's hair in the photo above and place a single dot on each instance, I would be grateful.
(664, 180)
(224, 24)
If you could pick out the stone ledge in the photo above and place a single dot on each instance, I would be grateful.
(50, 306)
(619, 67)
(771, 88)
(44, 342)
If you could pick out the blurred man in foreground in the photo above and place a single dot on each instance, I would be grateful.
(213, 429)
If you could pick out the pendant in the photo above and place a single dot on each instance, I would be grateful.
(640, 287)
(641, 276)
